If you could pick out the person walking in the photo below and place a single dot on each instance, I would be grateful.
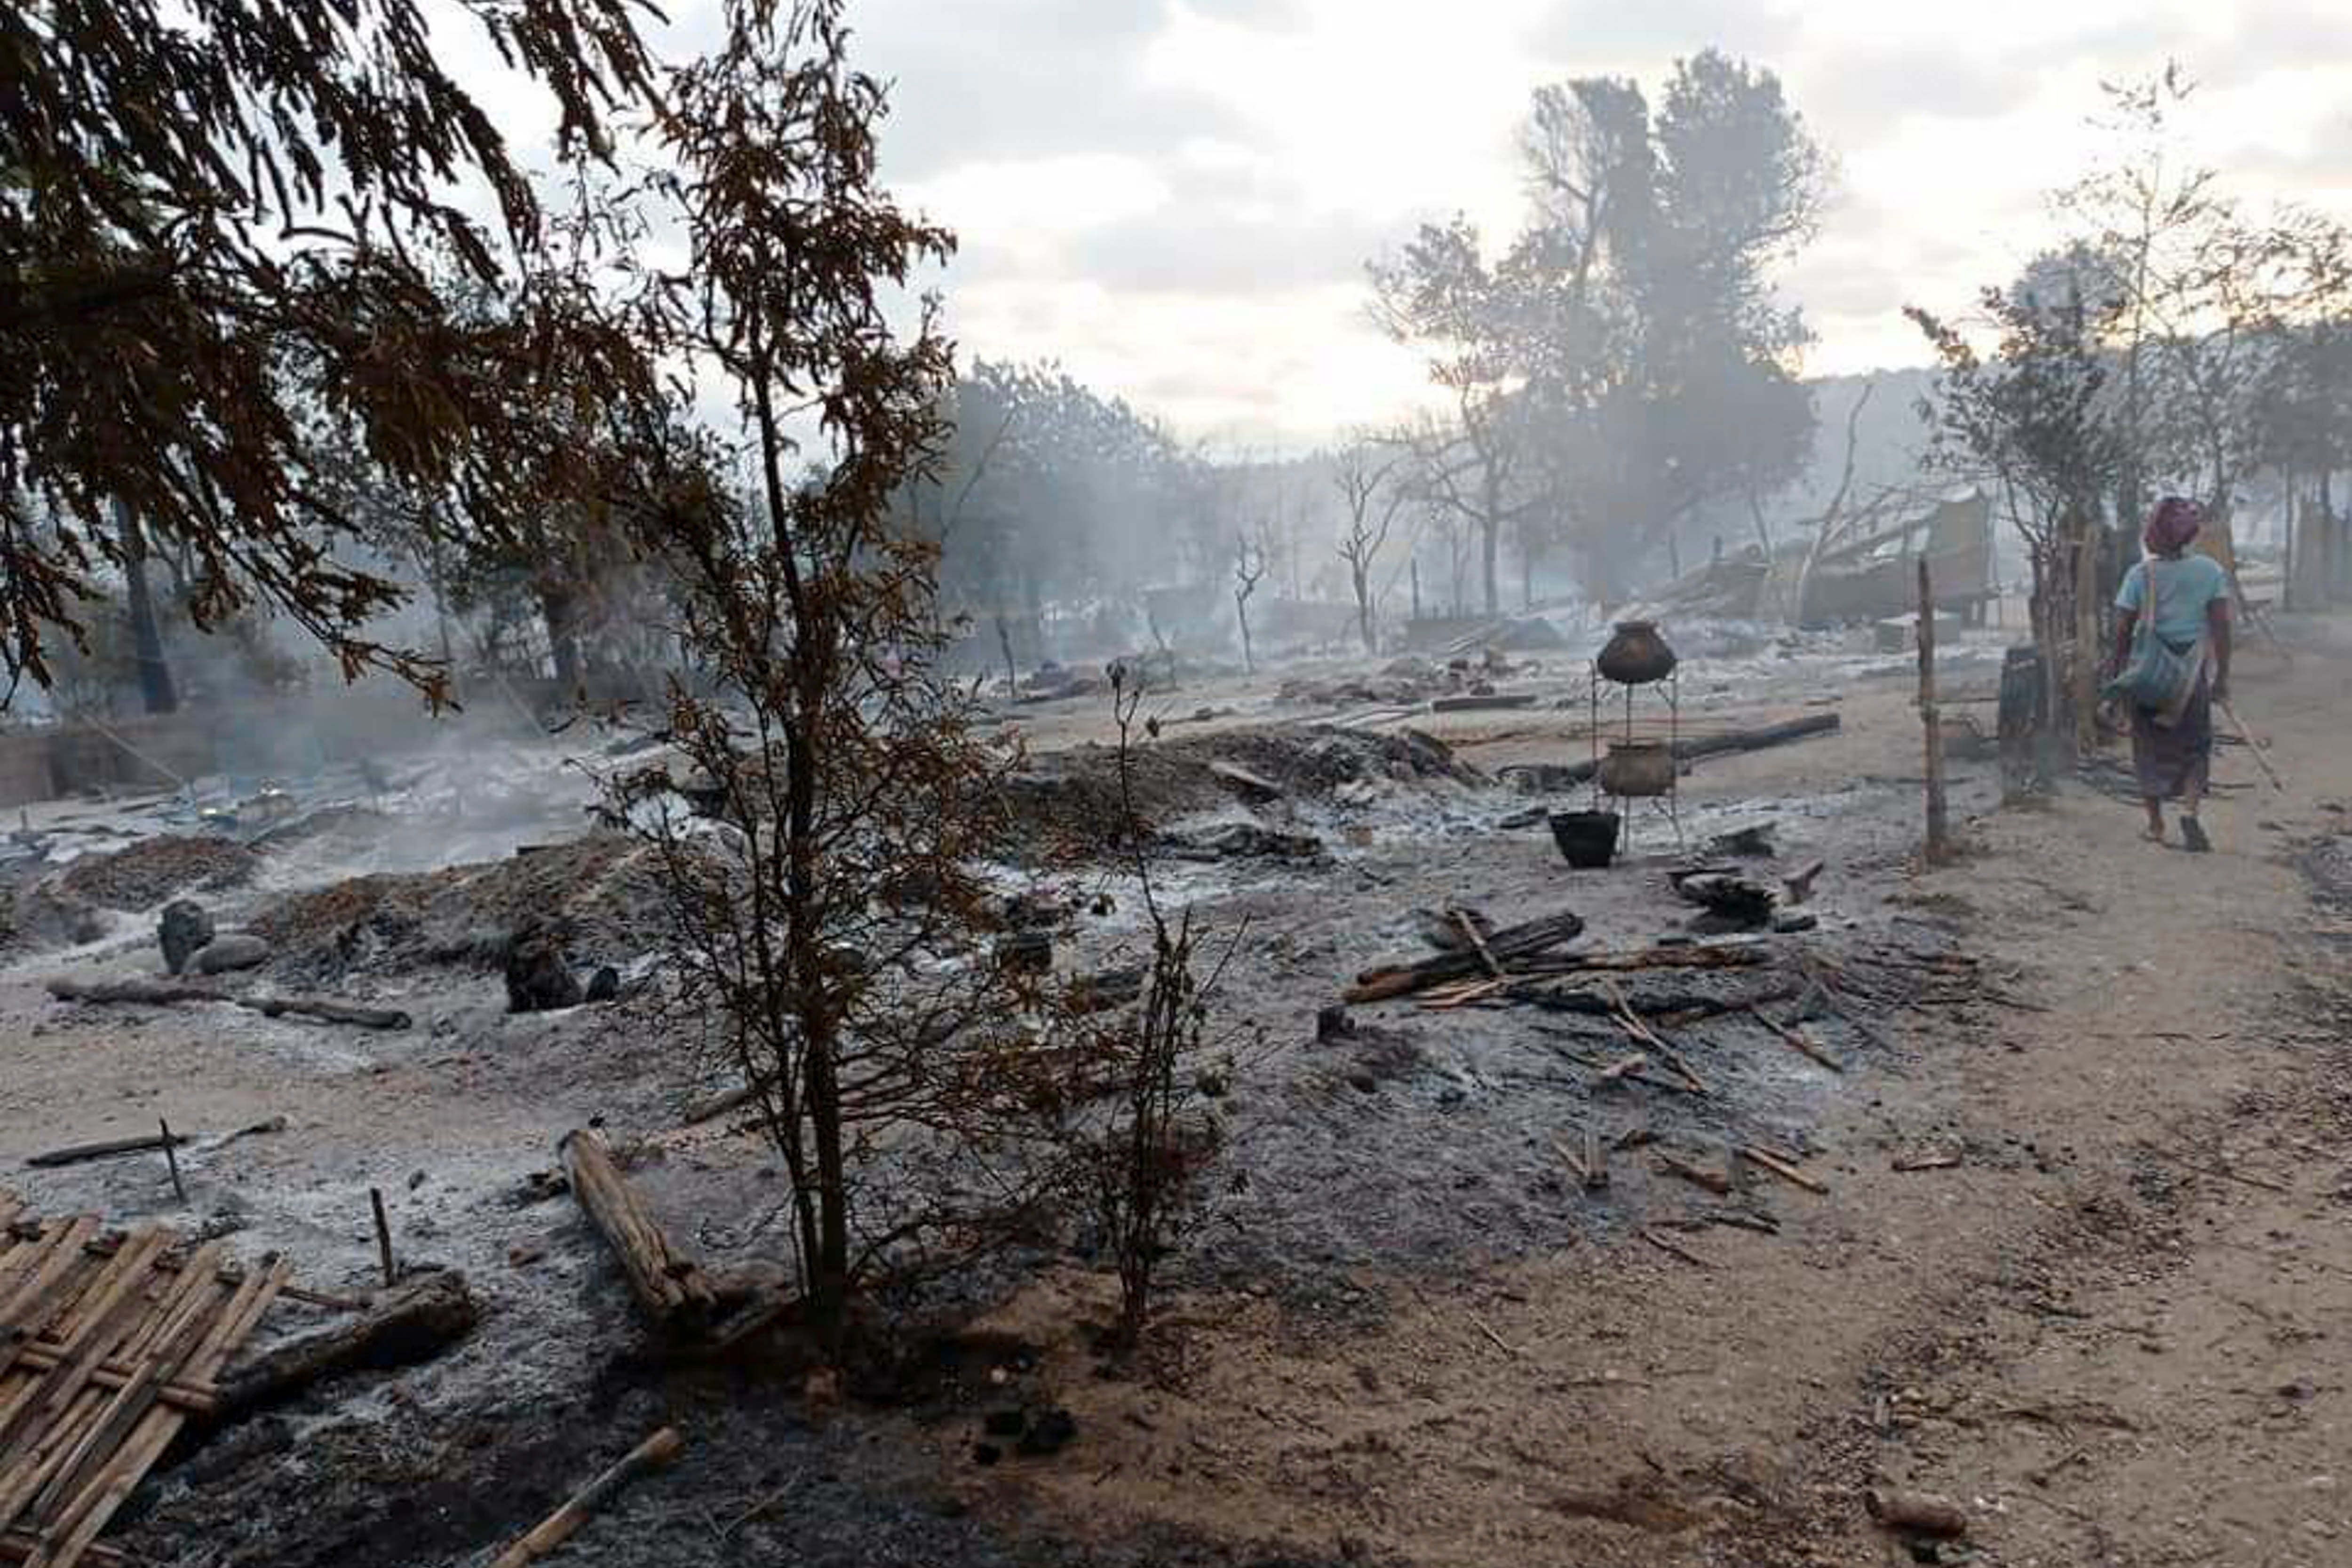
(2171, 664)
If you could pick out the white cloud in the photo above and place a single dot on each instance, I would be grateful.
(1174, 197)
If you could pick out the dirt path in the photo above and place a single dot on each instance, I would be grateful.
(2105, 1330)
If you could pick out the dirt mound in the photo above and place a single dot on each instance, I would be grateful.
(1071, 799)
(155, 870)
(603, 891)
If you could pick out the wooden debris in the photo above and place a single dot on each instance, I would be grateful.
(172, 1159)
(1780, 1167)
(400, 1327)
(559, 1527)
(1728, 897)
(1712, 1181)
(672, 1287)
(1933, 1162)
(1248, 785)
(384, 1238)
(110, 1348)
(1662, 1245)
(1924, 1514)
(1558, 780)
(75, 1154)
(1486, 700)
(1798, 889)
(165, 993)
(1797, 1040)
(1642, 1034)
(1506, 948)
(1477, 940)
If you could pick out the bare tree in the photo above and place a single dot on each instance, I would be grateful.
(1251, 562)
(1368, 478)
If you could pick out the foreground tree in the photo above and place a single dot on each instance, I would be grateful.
(218, 234)
(830, 930)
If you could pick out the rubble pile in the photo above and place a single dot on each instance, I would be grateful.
(155, 870)
(603, 889)
(1071, 801)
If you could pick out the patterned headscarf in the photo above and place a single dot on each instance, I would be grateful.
(2172, 525)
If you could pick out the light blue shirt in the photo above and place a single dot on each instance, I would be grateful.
(2183, 589)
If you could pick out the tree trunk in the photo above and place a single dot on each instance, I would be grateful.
(830, 1297)
(156, 690)
(1490, 533)
(1241, 611)
(1363, 580)
(2328, 565)
(556, 608)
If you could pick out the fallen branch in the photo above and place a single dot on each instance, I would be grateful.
(165, 993)
(559, 1527)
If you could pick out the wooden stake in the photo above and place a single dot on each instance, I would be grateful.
(1938, 830)
(1596, 1160)
(558, 1527)
(382, 1236)
(172, 1158)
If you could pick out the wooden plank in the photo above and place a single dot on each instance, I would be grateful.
(57, 1250)
(89, 1514)
(99, 1321)
(189, 1312)
(48, 1415)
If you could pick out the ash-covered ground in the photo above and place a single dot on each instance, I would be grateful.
(1415, 1148)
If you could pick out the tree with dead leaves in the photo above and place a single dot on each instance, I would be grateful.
(829, 918)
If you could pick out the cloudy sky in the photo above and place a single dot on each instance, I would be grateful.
(1175, 198)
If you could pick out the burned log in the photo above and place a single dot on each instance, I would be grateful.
(166, 993)
(75, 1154)
(1503, 948)
(1553, 779)
(673, 1288)
(398, 1328)
(558, 1527)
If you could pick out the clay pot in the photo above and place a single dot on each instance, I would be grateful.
(1637, 767)
(1586, 840)
(1637, 655)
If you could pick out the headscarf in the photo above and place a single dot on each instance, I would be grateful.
(2172, 525)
